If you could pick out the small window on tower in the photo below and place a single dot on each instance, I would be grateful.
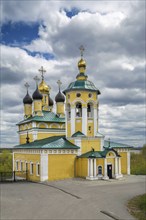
(90, 95)
(68, 96)
(78, 95)
(78, 110)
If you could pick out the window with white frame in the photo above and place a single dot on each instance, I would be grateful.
(89, 110)
(31, 168)
(17, 165)
(68, 111)
(21, 166)
(37, 169)
(78, 110)
(26, 166)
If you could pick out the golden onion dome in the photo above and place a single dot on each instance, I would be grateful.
(82, 63)
(43, 87)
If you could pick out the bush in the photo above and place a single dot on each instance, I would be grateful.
(6, 161)
(138, 162)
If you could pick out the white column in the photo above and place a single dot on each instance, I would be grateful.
(105, 169)
(95, 121)
(94, 167)
(91, 168)
(34, 134)
(116, 167)
(84, 120)
(128, 162)
(120, 174)
(44, 167)
(72, 120)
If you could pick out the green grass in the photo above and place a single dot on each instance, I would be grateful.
(137, 207)
(138, 164)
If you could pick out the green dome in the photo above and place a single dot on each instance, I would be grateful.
(81, 85)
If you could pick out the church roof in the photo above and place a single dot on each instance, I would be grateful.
(97, 154)
(112, 144)
(55, 142)
(81, 85)
(47, 117)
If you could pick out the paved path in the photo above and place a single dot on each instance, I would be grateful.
(70, 199)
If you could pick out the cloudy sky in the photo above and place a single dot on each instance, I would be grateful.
(49, 33)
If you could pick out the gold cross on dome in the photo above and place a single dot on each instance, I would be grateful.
(82, 50)
(42, 71)
(36, 78)
(59, 84)
(27, 86)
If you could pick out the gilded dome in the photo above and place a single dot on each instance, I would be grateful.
(43, 87)
(82, 63)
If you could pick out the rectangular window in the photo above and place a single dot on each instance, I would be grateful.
(26, 166)
(38, 169)
(21, 166)
(31, 168)
(17, 166)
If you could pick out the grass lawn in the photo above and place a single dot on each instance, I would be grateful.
(137, 207)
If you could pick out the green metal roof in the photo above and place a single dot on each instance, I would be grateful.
(55, 142)
(82, 85)
(97, 154)
(78, 134)
(111, 144)
(47, 117)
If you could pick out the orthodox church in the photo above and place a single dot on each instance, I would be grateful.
(66, 143)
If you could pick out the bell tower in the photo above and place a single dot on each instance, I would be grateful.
(82, 104)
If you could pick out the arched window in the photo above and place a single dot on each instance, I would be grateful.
(99, 170)
(78, 110)
(89, 110)
(68, 111)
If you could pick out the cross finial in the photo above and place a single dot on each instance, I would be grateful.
(109, 144)
(27, 86)
(59, 84)
(42, 71)
(81, 50)
(36, 78)
(27, 138)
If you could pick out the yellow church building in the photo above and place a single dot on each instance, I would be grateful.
(66, 144)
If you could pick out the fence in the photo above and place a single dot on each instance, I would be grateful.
(13, 176)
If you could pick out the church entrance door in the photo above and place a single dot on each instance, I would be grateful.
(109, 171)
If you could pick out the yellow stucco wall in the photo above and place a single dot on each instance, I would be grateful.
(37, 105)
(88, 144)
(28, 109)
(60, 108)
(61, 166)
(78, 124)
(90, 129)
(81, 167)
(123, 162)
(84, 96)
(45, 135)
(34, 158)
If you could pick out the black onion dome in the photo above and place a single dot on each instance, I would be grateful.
(37, 95)
(60, 97)
(27, 99)
(51, 103)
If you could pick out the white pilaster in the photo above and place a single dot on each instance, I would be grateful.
(120, 174)
(34, 134)
(95, 122)
(78, 143)
(66, 117)
(128, 162)
(44, 167)
(72, 120)
(84, 120)
(91, 168)
(101, 143)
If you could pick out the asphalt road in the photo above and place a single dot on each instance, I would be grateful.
(70, 199)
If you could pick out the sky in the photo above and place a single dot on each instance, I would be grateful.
(49, 34)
